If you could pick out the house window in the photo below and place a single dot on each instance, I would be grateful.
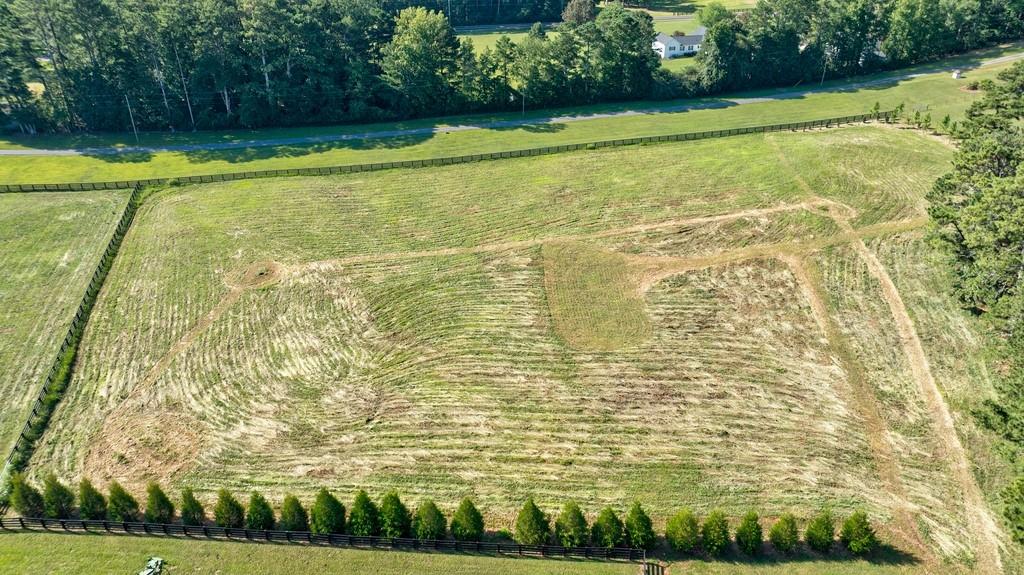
(671, 48)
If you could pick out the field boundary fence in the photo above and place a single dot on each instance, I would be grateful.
(305, 537)
(55, 383)
(886, 116)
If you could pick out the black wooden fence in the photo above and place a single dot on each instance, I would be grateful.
(448, 160)
(304, 537)
(40, 410)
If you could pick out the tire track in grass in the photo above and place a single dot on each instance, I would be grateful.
(978, 516)
(864, 401)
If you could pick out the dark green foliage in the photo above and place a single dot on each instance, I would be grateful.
(58, 500)
(365, 518)
(467, 523)
(192, 512)
(749, 537)
(578, 12)
(607, 530)
(858, 535)
(293, 515)
(715, 533)
(532, 525)
(1013, 508)
(121, 506)
(159, 508)
(821, 532)
(395, 519)
(228, 512)
(91, 503)
(25, 499)
(327, 514)
(639, 529)
(571, 527)
(784, 535)
(682, 531)
(429, 522)
(259, 515)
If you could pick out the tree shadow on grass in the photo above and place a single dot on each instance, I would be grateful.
(883, 555)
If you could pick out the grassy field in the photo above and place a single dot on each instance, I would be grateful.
(597, 325)
(49, 247)
(58, 554)
(937, 93)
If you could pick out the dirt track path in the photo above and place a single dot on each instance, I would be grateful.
(980, 520)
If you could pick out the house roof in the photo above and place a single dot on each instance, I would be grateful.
(665, 38)
(695, 37)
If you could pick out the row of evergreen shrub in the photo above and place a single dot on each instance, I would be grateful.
(388, 518)
(392, 518)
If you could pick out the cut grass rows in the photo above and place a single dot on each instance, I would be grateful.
(446, 374)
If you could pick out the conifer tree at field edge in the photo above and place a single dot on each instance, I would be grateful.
(58, 500)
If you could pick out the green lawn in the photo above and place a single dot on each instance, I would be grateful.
(487, 39)
(57, 554)
(937, 93)
(45, 553)
(50, 244)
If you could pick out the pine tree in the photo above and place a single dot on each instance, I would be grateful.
(821, 532)
(429, 522)
(715, 533)
(467, 523)
(25, 499)
(395, 519)
(192, 512)
(532, 526)
(228, 512)
(579, 12)
(159, 508)
(784, 535)
(607, 530)
(259, 515)
(121, 506)
(91, 503)
(858, 535)
(571, 526)
(293, 516)
(682, 531)
(639, 529)
(58, 500)
(365, 518)
(327, 514)
(749, 536)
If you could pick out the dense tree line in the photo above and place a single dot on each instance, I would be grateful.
(784, 42)
(390, 517)
(208, 64)
(978, 209)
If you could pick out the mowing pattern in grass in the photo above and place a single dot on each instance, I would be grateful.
(394, 329)
(49, 246)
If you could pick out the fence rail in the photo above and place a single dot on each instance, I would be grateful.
(447, 160)
(304, 537)
(27, 437)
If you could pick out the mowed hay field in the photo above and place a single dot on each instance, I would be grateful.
(696, 324)
(50, 244)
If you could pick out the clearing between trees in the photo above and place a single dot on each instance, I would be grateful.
(754, 322)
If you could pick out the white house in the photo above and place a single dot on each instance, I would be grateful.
(678, 44)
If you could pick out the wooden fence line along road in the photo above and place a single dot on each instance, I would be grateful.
(447, 160)
(304, 537)
(40, 410)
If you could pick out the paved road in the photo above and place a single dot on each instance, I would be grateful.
(431, 130)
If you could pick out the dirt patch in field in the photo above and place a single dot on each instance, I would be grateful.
(255, 275)
(137, 445)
